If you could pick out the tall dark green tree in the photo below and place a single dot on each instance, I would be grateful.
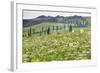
(53, 27)
(64, 26)
(57, 28)
(70, 28)
(30, 31)
(48, 30)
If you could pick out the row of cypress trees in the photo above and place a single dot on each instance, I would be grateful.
(48, 31)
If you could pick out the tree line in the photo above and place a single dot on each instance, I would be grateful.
(50, 29)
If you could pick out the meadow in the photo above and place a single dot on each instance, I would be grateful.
(59, 45)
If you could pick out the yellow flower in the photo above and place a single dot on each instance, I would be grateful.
(70, 44)
(73, 31)
(81, 30)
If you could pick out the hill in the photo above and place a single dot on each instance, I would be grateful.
(76, 21)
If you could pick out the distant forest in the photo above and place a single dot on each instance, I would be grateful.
(75, 21)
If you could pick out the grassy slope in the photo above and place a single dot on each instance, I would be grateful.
(45, 25)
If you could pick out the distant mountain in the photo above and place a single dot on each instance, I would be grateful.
(75, 16)
(77, 20)
(42, 16)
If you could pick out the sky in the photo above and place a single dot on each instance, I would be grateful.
(30, 14)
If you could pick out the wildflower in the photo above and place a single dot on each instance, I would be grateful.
(72, 31)
(70, 44)
(81, 30)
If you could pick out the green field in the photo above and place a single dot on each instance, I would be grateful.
(57, 46)
(45, 25)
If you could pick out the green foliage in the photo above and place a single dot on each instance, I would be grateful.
(57, 46)
(48, 31)
(70, 28)
(54, 27)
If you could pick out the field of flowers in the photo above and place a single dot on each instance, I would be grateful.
(75, 45)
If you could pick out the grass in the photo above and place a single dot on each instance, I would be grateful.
(75, 45)
(45, 25)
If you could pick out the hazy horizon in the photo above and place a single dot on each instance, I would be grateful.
(27, 14)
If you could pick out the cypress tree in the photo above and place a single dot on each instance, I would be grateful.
(57, 27)
(60, 27)
(48, 30)
(53, 27)
(70, 28)
(64, 26)
(29, 32)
